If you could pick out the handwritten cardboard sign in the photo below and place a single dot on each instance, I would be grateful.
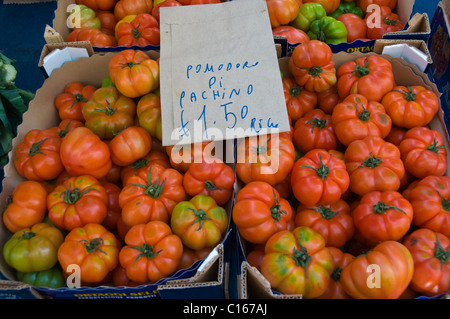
(219, 73)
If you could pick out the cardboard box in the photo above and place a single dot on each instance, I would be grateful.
(252, 284)
(416, 27)
(204, 279)
(439, 47)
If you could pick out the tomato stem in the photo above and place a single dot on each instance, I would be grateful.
(364, 115)
(71, 196)
(27, 235)
(372, 161)
(109, 110)
(315, 71)
(319, 123)
(78, 98)
(146, 251)
(326, 212)
(92, 246)
(64, 132)
(200, 217)
(294, 91)
(381, 208)
(361, 71)
(388, 21)
(409, 95)
(35, 148)
(153, 190)
(322, 171)
(301, 257)
(445, 203)
(434, 147)
(441, 254)
(136, 33)
(276, 210)
(209, 185)
(336, 275)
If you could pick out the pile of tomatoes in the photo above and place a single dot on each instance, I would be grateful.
(358, 206)
(333, 21)
(111, 23)
(102, 194)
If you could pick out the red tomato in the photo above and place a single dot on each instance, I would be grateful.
(293, 35)
(356, 27)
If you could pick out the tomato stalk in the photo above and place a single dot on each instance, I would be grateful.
(315, 71)
(336, 275)
(71, 196)
(27, 235)
(434, 147)
(388, 21)
(136, 33)
(78, 98)
(209, 185)
(364, 115)
(409, 95)
(441, 254)
(381, 208)
(35, 148)
(319, 123)
(146, 251)
(326, 212)
(64, 132)
(322, 171)
(153, 190)
(261, 149)
(92, 246)
(294, 91)
(109, 110)
(200, 217)
(361, 71)
(276, 210)
(301, 257)
(445, 203)
(372, 161)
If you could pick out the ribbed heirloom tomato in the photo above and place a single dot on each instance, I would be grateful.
(423, 152)
(430, 198)
(411, 106)
(83, 152)
(199, 222)
(93, 248)
(148, 111)
(319, 178)
(70, 103)
(373, 164)
(80, 200)
(131, 144)
(356, 117)
(297, 262)
(394, 271)
(333, 221)
(165, 3)
(329, 5)
(37, 157)
(211, 177)
(431, 252)
(312, 67)
(298, 100)
(370, 76)
(134, 73)
(281, 12)
(143, 30)
(33, 249)
(124, 8)
(335, 289)
(151, 195)
(143, 164)
(98, 4)
(259, 212)
(383, 216)
(292, 34)
(389, 22)
(27, 206)
(152, 252)
(108, 112)
(95, 36)
(266, 158)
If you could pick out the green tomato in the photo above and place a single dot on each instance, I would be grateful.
(307, 13)
(33, 249)
(50, 278)
(347, 7)
(85, 17)
(328, 30)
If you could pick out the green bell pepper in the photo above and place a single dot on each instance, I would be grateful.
(328, 30)
(307, 13)
(51, 278)
(347, 7)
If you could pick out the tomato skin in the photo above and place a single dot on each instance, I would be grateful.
(255, 256)
(211, 177)
(131, 144)
(363, 4)
(299, 101)
(65, 126)
(390, 22)
(191, 256)
(80, 200)
(319, 178)
(113, 209)
(314, 130)
(165, 3)
(411, 106)
(93, 248)
(267, 158)
(95, 36)
(37, 157)
(423, 152)
(139, 77)
(335, 289)
(142, 31)
(373, 164)
(50, 278)
(33, 249)
(430, 198)
(143, 164)
(259, 212)
(312, 67)
(148, 111)
(108, 112)
(82, 152)
(199, 222)
(356, 27)
(431, 265)
(70, 103)
(152, 252)
(107, 21)
(281, 12)
(396, 271)
(151, 195)
(333, 221)
(356, 118)
(396, 135)
(283, 264)
(328, 99)
(370, 76)
(292, 34)
(383, 216)
(124, 8)
(28, 206)
(98, 4)
(329, 5)
(180, 158)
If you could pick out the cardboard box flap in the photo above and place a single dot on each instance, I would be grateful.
(419, 23)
